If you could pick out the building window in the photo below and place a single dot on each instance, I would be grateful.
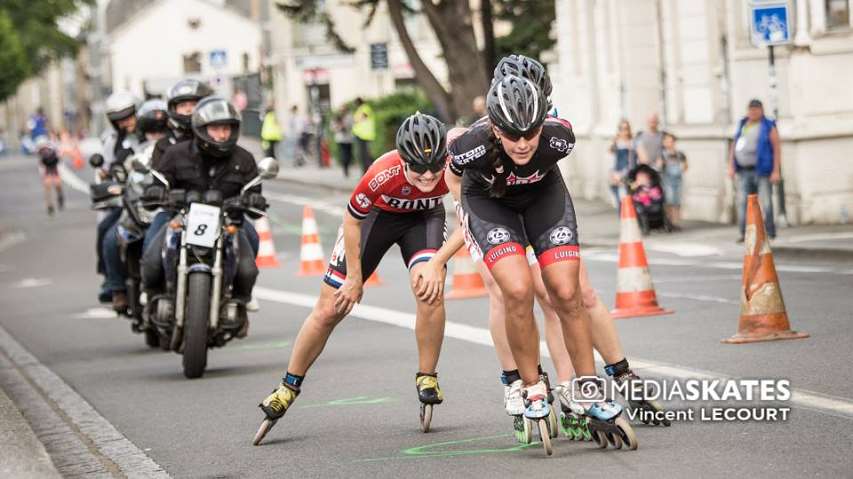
(192, 62)
(837, 14)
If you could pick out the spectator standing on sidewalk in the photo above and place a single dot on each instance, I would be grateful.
(673, 164)
(296, 126)
(756, 160)
(648, 143)
(342, 126)
(624, 160)
(363, 132)
(270, 132)
(37, 125)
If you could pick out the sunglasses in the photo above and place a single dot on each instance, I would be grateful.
(530, 135)
(421, 169)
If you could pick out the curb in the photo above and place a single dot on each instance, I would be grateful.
(338, 188)
(812, 253)
(24, 456)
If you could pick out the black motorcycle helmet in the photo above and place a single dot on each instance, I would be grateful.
(421, 143)
(516, 105)
(185, 90)
(525, 67)
(215, 110)
(152, 118)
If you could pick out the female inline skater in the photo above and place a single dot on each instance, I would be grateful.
(398, 200)
(512, 194)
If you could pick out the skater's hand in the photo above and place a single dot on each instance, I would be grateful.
(775, 177)
(429, 282)
(347, 295)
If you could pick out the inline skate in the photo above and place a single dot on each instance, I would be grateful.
(630, 382)
(429, 394)
(274, 407)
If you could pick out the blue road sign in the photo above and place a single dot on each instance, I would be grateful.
(770, 24)
(218, 59)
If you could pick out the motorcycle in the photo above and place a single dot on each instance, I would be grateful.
(124, 188)
(197, 311)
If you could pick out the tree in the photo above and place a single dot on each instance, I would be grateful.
(452, 23)
(531, 21)
(35, 35)
(13, 61)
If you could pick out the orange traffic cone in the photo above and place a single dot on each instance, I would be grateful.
(266, 250)
(762, 311)
(467, 282)
(635, 293)
(373, 280)
(311, 259)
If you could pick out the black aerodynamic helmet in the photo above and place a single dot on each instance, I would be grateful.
(152, 117)
(215, 110)
(525, 67)
(185, 90)
(516, 105)
(421, 143)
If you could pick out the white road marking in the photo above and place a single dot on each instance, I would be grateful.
(11, 239)
(96, 313)
(33, 283)
(472, 334)
(684, 249)
(102, 436)
(817, 237)
(73, 180)
(698, 279)
(698, 297)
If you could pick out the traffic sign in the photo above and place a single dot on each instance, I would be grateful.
(218, 59)
(378, 56)
(770, 23)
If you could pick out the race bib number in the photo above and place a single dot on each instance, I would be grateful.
(202, 225)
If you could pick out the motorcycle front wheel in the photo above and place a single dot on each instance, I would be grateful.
(195, 324)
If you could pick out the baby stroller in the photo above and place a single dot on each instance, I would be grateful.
(644, 186)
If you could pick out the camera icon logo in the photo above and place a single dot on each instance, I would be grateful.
(587, 389)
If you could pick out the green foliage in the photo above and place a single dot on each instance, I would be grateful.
(30, 28)
(308, 11)
(531, 21)
(390, 112)
(13, 61)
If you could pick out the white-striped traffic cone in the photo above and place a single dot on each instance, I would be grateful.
(266, 249)
(311, 259)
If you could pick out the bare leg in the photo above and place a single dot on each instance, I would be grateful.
(553, 329)
(497, 319)
(562, 282)
(521, 331)
(429, 328)
(605, 338)
(315, 332)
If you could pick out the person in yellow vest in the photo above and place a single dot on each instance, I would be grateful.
(363, 132)
(270, 132)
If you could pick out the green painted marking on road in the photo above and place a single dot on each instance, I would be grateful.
(261, 346)
(428, 450)
(353, 401)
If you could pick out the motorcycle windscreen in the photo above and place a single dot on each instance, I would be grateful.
(202, 225)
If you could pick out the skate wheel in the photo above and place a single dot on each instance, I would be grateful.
(545, 436)
(523, 430)
(553, 423)
(426, 416)
(262, 431)
(601, 439)
(615, 440)
(627, 433)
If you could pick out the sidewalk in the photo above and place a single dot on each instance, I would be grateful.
(599, 224)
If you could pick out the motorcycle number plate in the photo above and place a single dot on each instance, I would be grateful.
(202, 225)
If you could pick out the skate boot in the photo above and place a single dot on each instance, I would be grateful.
(537, 410)
(429, 394)
(605, 420)
(274, 407)
(513, 402)
(649, 411)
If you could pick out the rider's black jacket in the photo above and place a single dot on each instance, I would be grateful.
(160, 148)
(186, 167)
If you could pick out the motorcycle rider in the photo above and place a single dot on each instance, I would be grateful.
(150, 128)
(211, 161)
(181, 101)
(118, 144)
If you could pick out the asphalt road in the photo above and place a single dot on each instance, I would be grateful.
(358, 413)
